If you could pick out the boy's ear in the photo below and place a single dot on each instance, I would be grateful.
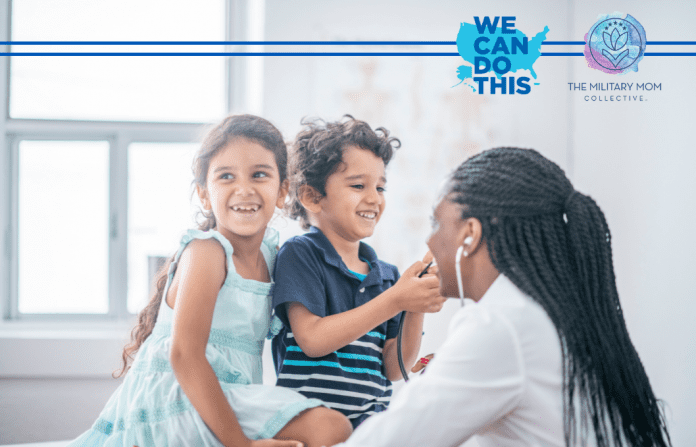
(284, 187)
(205, 199)
(310, 199)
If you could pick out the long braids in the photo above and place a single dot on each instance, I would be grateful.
(554, 244)
(232, 128)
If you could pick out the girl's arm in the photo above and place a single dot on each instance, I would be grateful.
(201, 275)
(319, 336)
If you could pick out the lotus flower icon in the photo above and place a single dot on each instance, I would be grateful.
(615, 41)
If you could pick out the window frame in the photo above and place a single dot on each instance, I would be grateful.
(119, 135)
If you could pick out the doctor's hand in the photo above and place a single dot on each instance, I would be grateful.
(420, 294)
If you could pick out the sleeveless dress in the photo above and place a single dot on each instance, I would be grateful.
(150, 409)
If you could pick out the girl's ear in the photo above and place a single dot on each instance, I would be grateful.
(283, 193)
(310, 199)
(205, 199)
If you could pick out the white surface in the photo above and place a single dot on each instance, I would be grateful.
(39, 444)
(58, 349)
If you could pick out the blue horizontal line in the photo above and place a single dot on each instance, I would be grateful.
(253, 42)
(222, 42)
(230, 53)
(670, 54)
(650, 42)
(286, 54)
(645, 54)
(668, 42)
(288, 42)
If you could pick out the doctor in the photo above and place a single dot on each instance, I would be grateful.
(543, 357)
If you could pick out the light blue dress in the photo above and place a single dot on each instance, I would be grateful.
(150, 409)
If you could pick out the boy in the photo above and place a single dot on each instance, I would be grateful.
(339, 303)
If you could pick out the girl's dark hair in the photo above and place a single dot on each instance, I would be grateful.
(232, 128)
(318, 152)
(554, 244)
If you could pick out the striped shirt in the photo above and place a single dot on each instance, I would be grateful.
(351, 379)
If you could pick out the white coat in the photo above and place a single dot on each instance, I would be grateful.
(498, 377)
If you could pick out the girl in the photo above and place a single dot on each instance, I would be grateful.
(195, 380)
(543, 358)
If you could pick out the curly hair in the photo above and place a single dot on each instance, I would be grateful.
(554, 244)
(232, 128)
(317, 152)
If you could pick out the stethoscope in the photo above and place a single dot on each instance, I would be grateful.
(399, 354)
(457, 264)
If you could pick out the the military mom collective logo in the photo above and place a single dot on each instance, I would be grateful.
(615, 44)
(497, 54)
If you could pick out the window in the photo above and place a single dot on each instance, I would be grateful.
(63, 226)
(96, 151)
(159, 208)
(118, 88)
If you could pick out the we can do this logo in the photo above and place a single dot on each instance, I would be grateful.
(615, 44)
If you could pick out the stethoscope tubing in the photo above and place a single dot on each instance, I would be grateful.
(399, 354)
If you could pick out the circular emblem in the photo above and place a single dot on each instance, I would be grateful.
(615, 44)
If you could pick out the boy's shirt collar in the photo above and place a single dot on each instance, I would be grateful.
(377, 274)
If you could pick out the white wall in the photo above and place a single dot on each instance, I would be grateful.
(637, 161)
(49, 409)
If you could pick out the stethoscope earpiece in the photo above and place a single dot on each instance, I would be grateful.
(457, 262)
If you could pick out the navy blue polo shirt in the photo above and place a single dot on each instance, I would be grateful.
(308, 270)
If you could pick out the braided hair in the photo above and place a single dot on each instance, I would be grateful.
(554, 244)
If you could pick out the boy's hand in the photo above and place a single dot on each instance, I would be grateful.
(421, 295)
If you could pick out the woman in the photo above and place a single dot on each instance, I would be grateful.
(543, 358)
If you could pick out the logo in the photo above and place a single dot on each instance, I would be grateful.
(497, 52)
(616, 44)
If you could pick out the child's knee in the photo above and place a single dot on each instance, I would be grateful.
(342, 425)
(332, 427)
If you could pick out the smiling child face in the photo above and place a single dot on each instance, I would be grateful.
(354, 200)
(243, 189)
